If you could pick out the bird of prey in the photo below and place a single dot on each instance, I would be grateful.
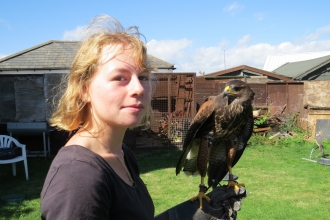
(218, 136)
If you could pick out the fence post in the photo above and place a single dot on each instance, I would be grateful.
(169, 106)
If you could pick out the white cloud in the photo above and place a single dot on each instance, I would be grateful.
(244, 40)
(186, 58)
(320, 32)
(234, 8)
(5, 24)
(224, 43)
(2, 56)
(259, 16)
(204, 59)
(169, 50)
(75, 34)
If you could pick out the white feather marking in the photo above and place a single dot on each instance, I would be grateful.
(193, 153)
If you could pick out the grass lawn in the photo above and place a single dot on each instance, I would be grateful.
(280, 184)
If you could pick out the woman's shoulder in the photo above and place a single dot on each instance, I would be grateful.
(72, 163)
(75, 154)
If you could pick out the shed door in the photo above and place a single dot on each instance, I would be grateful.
(29, 98)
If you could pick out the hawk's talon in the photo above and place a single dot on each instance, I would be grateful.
(235, 184)
(200, 197)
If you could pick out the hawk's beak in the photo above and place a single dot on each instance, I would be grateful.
(226, 91)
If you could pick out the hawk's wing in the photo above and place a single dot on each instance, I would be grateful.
(201, 125)
(217, 168)
(243, 138)
(218, 154)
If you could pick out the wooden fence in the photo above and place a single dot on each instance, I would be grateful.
(174, 109)
(308, 98)
(26, 98)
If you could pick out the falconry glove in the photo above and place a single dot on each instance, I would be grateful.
(225, 203)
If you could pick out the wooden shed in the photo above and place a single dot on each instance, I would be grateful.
(316, 100)
(250, 74)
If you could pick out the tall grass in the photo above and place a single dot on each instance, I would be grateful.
(280, 184)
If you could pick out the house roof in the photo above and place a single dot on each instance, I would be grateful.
(275, 61)
(249, 69)
(160, 64)
(55, 55)
(297, 70)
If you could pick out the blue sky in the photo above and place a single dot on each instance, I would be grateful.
(207, 35)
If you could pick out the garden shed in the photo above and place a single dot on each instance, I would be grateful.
(276, 60)
(317, 102)
(250, 74)
(313, 69)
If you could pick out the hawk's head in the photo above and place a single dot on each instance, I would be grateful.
(237, 89)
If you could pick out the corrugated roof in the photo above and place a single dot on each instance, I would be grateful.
(251, 69)
(297, 70)
(55, 55)
(275, 61)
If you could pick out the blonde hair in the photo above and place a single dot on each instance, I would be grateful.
(103, 31)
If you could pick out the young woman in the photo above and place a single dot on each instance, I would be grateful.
(109, 88)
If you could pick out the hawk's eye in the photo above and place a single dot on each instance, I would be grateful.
(236, 89)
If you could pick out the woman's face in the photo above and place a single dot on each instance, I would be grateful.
(119, 93)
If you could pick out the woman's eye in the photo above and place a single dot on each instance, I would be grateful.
(143, 78)
(120, 78)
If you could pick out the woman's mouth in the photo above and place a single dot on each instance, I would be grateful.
(134, 108)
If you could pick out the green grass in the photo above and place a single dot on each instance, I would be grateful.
(31, 189)
(280, 184)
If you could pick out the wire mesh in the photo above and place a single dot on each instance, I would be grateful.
(174, 107)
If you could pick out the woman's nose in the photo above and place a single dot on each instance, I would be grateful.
(136, 87)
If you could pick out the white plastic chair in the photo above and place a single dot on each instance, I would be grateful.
(6, 142)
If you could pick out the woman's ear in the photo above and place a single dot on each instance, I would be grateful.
(84, 96)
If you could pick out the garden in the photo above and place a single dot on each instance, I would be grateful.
(280, 184)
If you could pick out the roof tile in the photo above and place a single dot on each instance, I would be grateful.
(55, 55)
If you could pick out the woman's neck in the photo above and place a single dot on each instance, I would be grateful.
(103, 140)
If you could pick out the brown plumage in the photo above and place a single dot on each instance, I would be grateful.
(226, 121)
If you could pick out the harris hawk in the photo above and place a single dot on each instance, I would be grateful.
(217, 136)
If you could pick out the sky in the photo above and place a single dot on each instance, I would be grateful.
(194, 35)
